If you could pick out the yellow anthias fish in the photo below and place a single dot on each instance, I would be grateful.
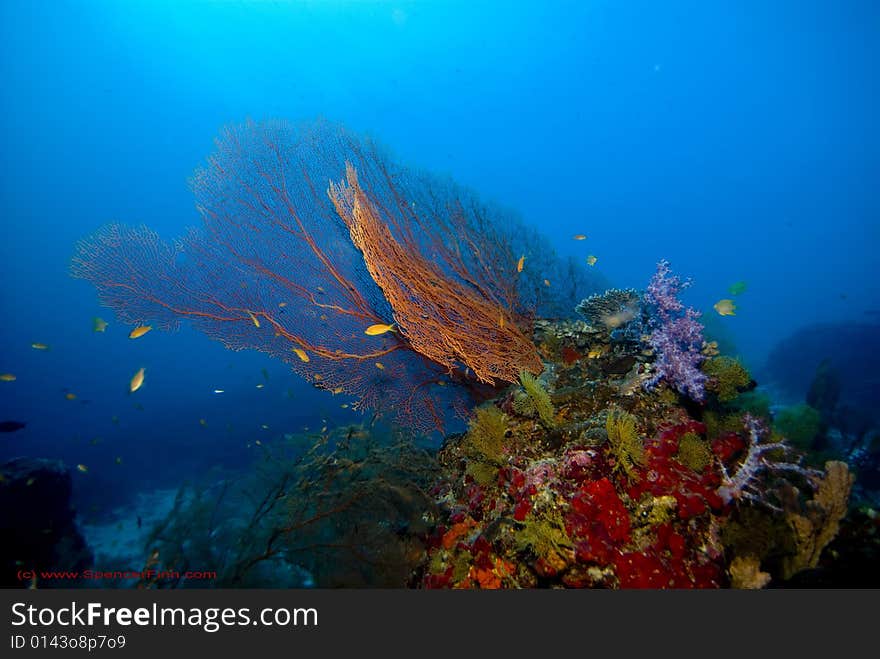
(7, 377)
(301, 354)
(520, 263)
(501, 321)
(380, 366)
(39, 346)
(379, 329)
(139, 331)
(546, 282)
(725, 307)
(254, 319)
(70, 396)
(82, 468)
(579, 236)
(137, 381)
(99, 324)
(592, 260)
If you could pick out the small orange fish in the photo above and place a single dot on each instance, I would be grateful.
(501, 321)
(137, 381)
(592, 260)
(301, 354)
(82, 468)
(254, 319)
(282, 304)
(7, 377)
(39, 346)
(139, 331)
(380, 366)
(520, 263)
(546, 282)
(579, 236)
(70, 396)
(378, 329)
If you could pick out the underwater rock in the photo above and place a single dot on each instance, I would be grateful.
(38, 523)
(852, 351)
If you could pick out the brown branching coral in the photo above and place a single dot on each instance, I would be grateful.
(818, 524)
(449, 320)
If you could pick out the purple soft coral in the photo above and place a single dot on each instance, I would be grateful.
(677, 336)
(742, 483)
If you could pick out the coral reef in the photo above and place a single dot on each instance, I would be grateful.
(612, 486)
(626, 490)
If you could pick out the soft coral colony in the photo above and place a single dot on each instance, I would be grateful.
(613, 450)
